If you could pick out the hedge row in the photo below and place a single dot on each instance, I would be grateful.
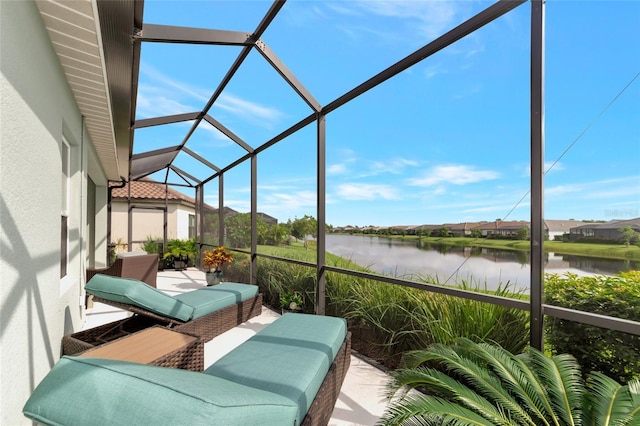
(615, 354)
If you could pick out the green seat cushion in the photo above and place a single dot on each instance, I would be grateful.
(93, 391)
(134, 292)
(210, 299)
(300, 343)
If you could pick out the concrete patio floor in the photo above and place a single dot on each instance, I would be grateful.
(361, 400)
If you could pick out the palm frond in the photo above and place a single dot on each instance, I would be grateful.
(439, 384)
(518, 379)
(430, 410)
(634, 394)
(477, 372)
(560, 376)
(613, 404)
(459, 361)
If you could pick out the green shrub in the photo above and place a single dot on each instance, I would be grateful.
(152, 245)
(615, 354)
(276, 277)
(399, 318)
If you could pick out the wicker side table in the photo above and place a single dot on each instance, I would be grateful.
(155, 346)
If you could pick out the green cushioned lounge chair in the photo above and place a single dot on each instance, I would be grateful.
(206, 312)
(289, 373)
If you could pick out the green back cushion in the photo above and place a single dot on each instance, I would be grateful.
(134, 292)
(210, 299)
(300, 343)
(93, 391)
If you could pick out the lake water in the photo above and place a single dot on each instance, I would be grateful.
(411, 259)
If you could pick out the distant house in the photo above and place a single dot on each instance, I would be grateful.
(147, 212)
(603, 231)
(269, 220)
(461, 229)
(503, 228)
(557, 228)
(398, 229)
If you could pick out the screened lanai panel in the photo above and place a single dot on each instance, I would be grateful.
(214, 145)
(159, 137)
(349, 42)
(210, 218)
(287, 193)
(258, 104)
(178, 78)
(593, 136)
(593, 149)
(227, 15)
(444, 144)
(191, 168)
(236, 207)
(613, 353)
(147, 163)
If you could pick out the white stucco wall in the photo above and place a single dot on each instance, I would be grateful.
(149, 222)
(37, 109)
(182, 221)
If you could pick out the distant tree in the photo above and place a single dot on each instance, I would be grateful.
(629, 235)
(426, 232)
(262, 231)
(276, 234)
(523, 233)
(443, 232)
(476, 233)
(238, 230)
(307, 225)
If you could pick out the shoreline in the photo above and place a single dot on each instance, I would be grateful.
(607, 251)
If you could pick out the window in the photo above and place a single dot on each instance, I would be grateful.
(64, 206)
(192, 226)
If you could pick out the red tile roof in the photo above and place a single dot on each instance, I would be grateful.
(148, 190)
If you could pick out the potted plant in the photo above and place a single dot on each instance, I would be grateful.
(154, 245)
(291, 301)
(213, 261)
(180, 252)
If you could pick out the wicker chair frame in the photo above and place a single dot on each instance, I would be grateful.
(207, 326)
(323, 404)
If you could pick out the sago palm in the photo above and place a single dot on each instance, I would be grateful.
(471, 383)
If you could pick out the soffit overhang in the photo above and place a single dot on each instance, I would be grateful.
(92, 40)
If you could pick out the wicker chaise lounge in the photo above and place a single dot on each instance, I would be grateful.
(206, 312)
(136, 264)
(289, 373)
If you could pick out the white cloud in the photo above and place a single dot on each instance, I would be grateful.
(289, 205)
(160, 95)
(244, 108)
(432, 17)
(152, 102)
(606, 188)
(457, 174)
(363, 191)
(161, 80)
(434, 70)
(337, 169)
(394, 166)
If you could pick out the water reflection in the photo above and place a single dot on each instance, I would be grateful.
(447, 263)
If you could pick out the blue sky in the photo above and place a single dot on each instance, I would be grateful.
(445, 141)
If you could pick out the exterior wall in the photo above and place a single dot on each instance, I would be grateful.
(145, 223)
(37, 306)
(149, 222)
(182, 221)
